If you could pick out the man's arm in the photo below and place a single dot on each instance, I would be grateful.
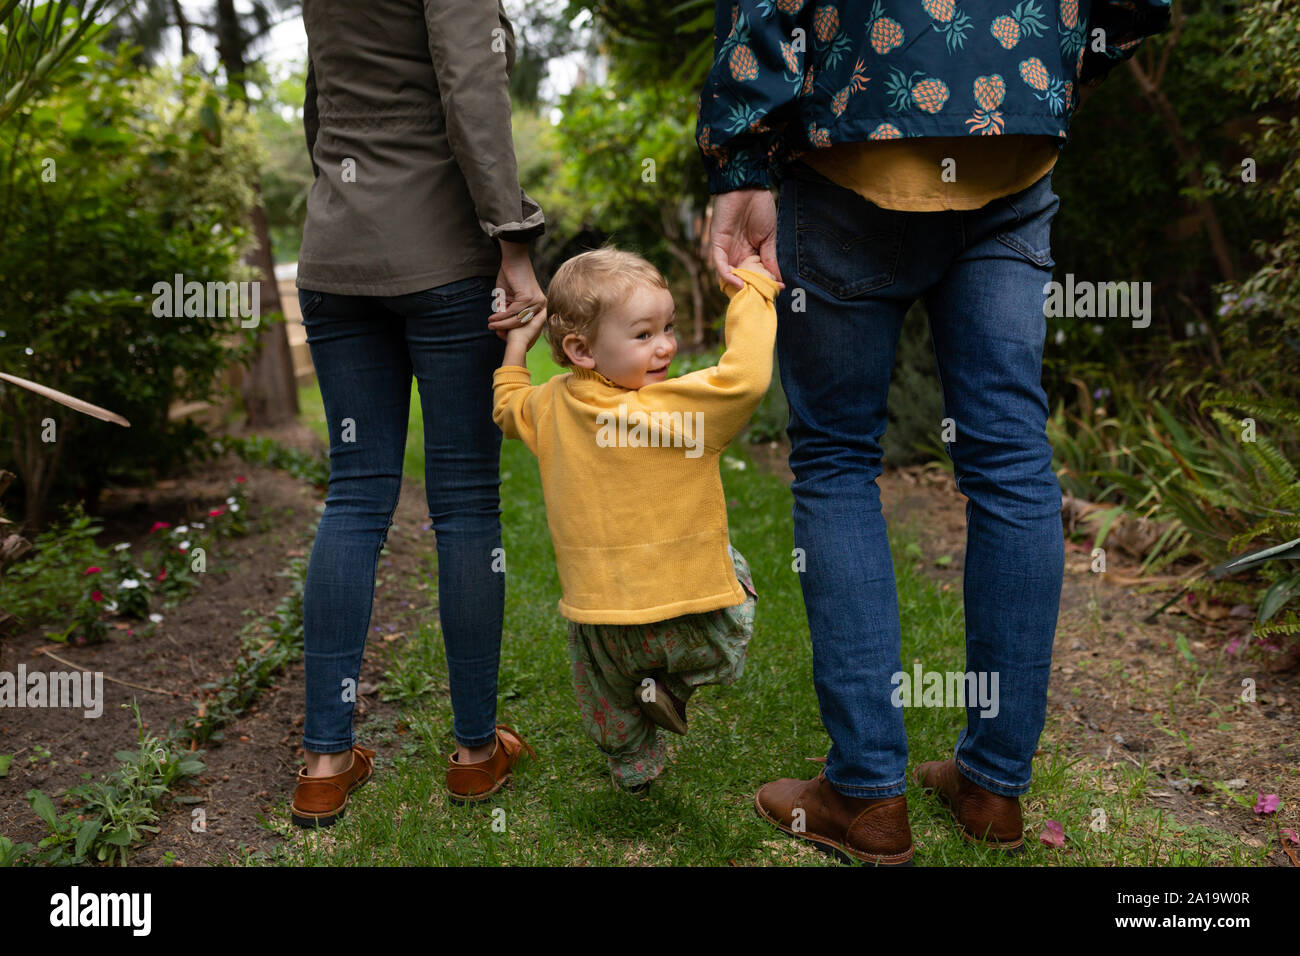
(473, 49)
(1125, 24)
(750, 93)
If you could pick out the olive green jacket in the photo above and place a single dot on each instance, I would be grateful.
(407, 117)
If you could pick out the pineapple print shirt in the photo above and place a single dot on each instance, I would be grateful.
(793, 76)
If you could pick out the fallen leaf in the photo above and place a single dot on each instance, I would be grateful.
(1053, 835)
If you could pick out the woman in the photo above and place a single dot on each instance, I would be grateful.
(415, 208)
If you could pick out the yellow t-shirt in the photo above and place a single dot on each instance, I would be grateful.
(908, 173)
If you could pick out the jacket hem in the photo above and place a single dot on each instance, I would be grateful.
(393, 287)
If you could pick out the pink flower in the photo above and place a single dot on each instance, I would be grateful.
(1290, 835)
(239, 479)
(162, 575)
(1053, 835)
(1233, 645)
(1267, 802)
(158, 525)
(90, 570)
(215, 513)
(96, 596)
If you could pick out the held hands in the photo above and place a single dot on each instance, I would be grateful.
(522, 314)
(744, 224)
(754, 264)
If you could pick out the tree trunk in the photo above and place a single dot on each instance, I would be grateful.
(269, 391)
(1190, 156)
(183, 26)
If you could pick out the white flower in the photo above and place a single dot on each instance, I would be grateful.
(234, 507)
(122, 547)
(198, 525)
(129, 584)
(184, 545)
(156, 618)
(182, 529)
(110, 606)
(230, 500)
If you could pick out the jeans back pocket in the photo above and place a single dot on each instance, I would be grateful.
(457, 291)
(309, 302)
(843, 243)
(1031, 234)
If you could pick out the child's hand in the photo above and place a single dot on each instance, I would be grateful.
(525, 335)
(755, 264)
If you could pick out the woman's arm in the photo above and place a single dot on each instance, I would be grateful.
(472, 46)
(311, 116)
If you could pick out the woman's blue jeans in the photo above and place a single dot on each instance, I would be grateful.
(365, 349)
(852, 269)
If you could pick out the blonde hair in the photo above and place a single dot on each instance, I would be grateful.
(585, 287)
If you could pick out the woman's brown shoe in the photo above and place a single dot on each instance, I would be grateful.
(471, 782)
(320, 801)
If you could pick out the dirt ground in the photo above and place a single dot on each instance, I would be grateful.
(1110, 721)
(196, 643)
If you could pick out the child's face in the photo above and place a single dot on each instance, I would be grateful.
(635, 341)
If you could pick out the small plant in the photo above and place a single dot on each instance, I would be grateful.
(257, 450)
(267, 647)
(40, 589)
(109, 816)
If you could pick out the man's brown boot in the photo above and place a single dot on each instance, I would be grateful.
(983, 817)
(870, 831)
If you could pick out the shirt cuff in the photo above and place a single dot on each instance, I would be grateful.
(521, 230)
(511, 374)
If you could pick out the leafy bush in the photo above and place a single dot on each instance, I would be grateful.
(40, 589)
(112, 182)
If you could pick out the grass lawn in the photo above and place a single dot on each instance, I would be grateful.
(564, 810)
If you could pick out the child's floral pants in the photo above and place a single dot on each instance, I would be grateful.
(610, 662)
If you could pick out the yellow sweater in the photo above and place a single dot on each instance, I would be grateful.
(634, 499)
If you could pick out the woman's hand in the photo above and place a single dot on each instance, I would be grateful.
(524, 305)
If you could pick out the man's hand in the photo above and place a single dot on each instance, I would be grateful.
(744, 222)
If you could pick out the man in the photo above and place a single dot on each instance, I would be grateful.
(913, 144)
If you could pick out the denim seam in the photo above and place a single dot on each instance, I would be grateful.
(329, 747)
(474, 742)
(351, 709)
(846, 788)
(973, 774)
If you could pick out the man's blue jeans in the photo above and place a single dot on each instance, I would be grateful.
(365, 350)
(981, 274)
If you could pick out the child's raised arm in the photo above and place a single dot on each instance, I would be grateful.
(727, 393)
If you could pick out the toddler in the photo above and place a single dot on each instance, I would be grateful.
(658, 601)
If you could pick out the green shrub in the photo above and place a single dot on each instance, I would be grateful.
(112, 182)
(42, 587)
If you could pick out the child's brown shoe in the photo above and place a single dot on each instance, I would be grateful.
(665, 709)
